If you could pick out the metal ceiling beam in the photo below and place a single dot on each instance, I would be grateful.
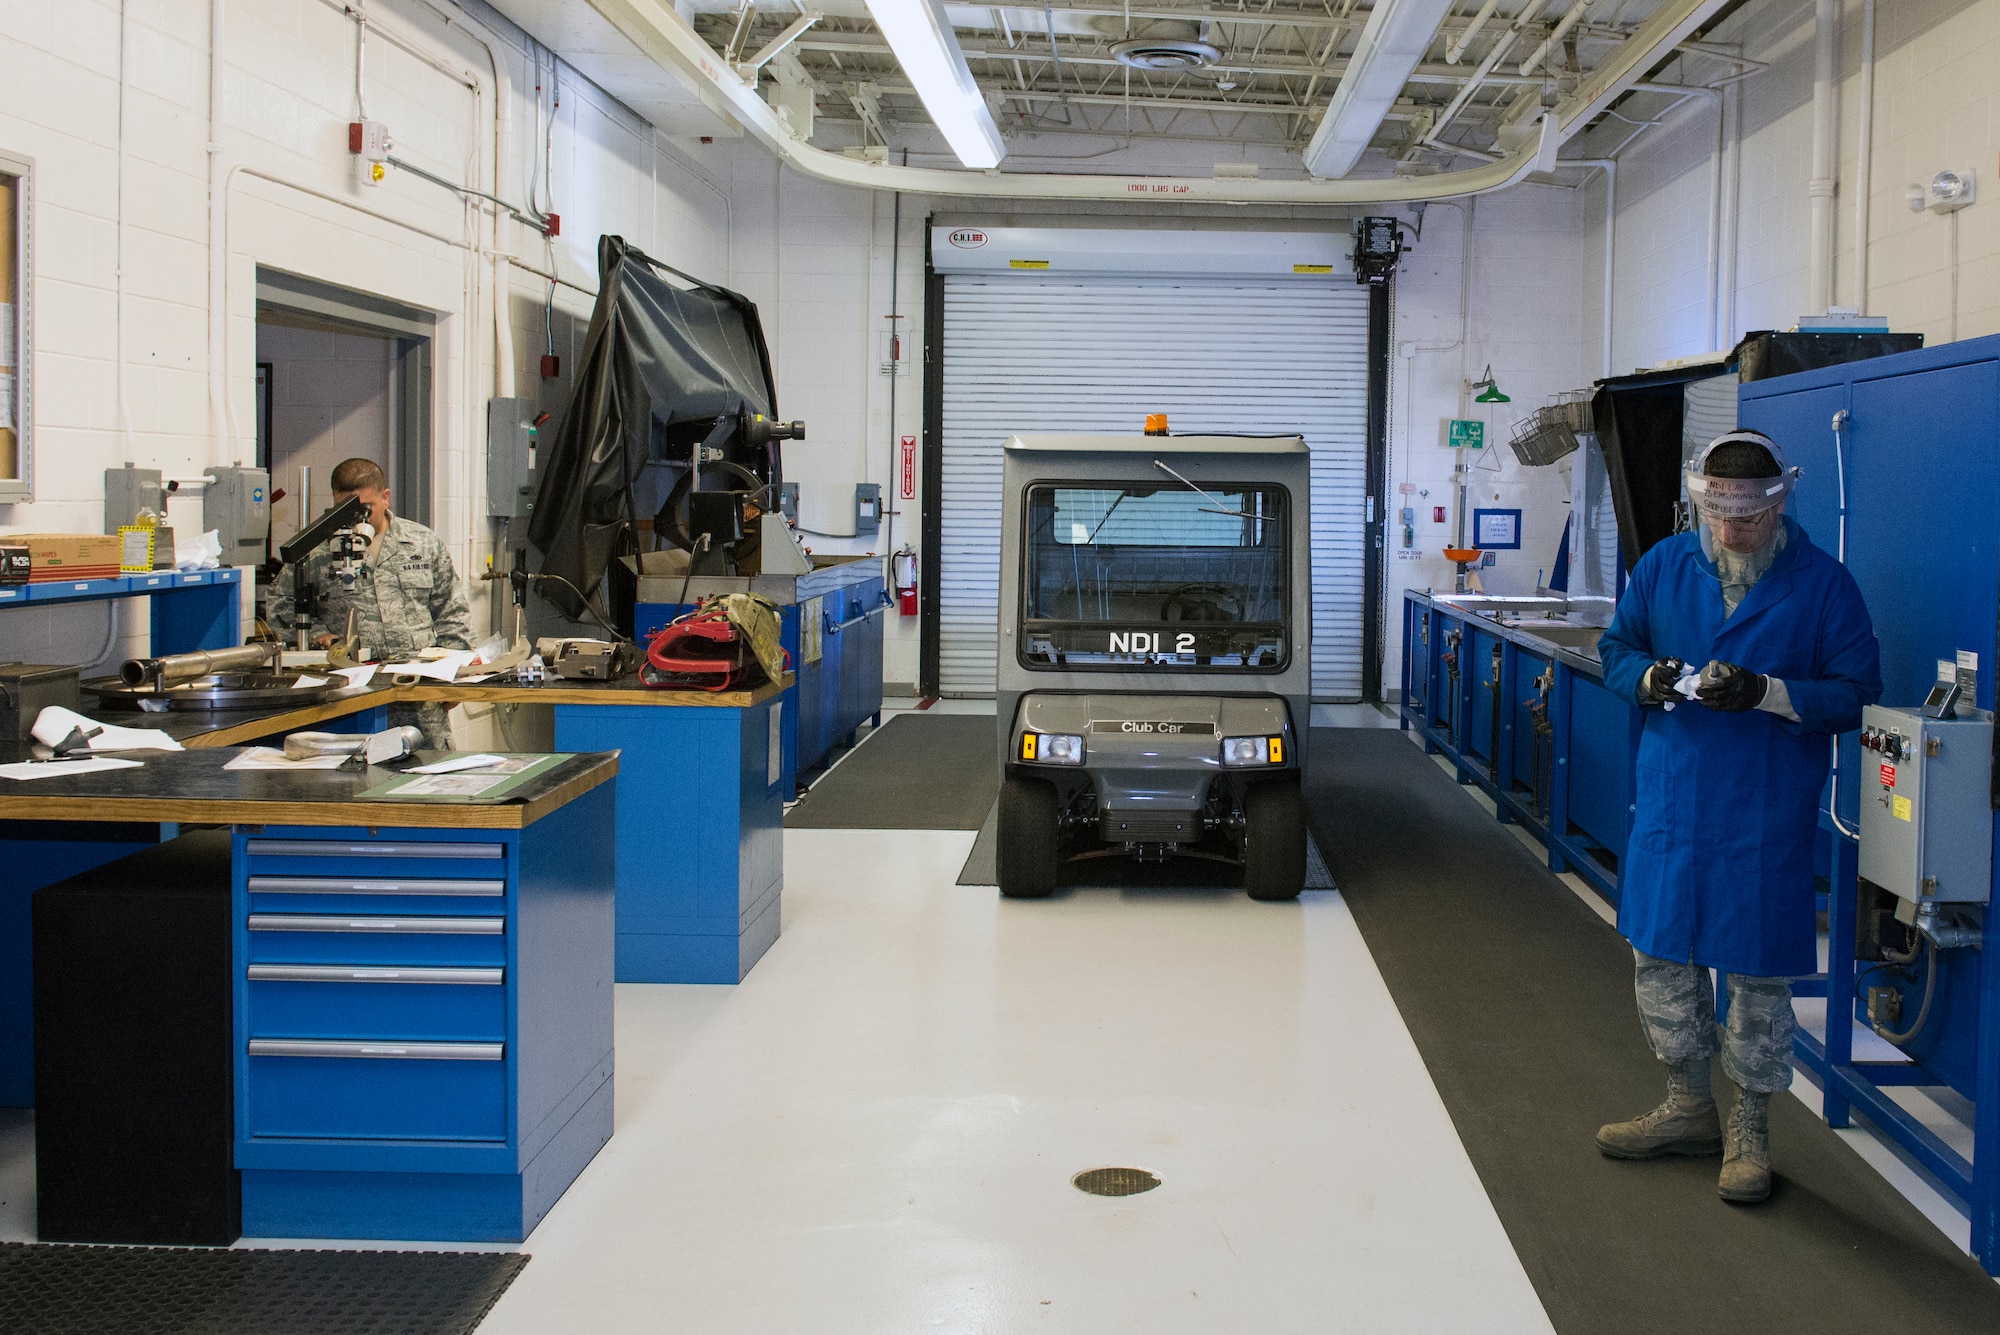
(865, 44)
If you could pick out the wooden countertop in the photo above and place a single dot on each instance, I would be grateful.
(192, 787)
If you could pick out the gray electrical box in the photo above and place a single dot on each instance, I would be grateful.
(511, 479)
(237, 505)
(867, 507)
(129, 490)
(788, 501)
(1926, 804)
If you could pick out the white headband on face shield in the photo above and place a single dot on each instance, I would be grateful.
(1739, 497)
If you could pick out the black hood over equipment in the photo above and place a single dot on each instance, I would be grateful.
(665, 369)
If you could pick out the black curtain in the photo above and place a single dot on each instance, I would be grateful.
(661, 362)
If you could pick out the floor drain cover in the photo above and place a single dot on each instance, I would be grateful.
(1114, 1181)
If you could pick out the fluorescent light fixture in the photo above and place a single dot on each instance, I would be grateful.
(1398, 34)
(920, 34)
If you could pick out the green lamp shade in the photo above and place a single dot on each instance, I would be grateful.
(1492, 394)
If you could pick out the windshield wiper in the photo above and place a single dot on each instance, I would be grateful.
(1239, 514)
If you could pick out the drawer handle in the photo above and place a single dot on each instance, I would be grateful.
(432, 1052)
(327, 848)
(319, 922)
(340, 973)
(343, 885)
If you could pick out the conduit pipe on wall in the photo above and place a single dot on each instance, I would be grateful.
(218, 254)
(1819, 276)
(1864, 154)
(124, 404)
(1609, 166)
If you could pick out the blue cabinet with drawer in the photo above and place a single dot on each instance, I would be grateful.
(423, 1024)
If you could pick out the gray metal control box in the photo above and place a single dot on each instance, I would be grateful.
(1926, 804)
(511, 479)
(129, 490)
(867, 507)
(237, 505)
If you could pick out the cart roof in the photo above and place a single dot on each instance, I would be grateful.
(1161, 444)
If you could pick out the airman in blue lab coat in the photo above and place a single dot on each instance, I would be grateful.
(1747, 648)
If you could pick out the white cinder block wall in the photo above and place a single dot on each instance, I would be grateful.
(1936, 107)
(455, 84)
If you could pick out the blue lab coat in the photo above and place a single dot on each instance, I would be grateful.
(1719, 870)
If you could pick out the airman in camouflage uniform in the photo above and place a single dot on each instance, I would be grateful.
(406, 596)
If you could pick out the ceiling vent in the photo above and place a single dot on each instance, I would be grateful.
(1165, 44)
(1166, 53)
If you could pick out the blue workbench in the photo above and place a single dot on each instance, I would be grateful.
(831, 623)
(701, 812)
(191, 610)
(423, 1006)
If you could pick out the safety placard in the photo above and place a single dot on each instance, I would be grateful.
(909, 484)
(1900, 807)
(1888, 776)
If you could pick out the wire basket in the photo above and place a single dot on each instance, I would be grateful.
(1550, 432)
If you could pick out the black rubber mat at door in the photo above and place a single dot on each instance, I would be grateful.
(1519, 999)
(49, 1289)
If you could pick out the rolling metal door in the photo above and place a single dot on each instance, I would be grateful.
(1243, 356)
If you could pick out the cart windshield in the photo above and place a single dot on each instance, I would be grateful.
(1146, 576)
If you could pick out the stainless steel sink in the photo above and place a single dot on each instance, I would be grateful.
(1579, 640)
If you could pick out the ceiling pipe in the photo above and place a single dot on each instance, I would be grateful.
(1554, 39)
(1501, 46)
(668, 40)
(1864, 155)
(1456, 49)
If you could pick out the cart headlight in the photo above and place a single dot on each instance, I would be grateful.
(1241, 751)
(1051, 748)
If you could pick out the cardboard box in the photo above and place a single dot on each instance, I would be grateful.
(68, 556)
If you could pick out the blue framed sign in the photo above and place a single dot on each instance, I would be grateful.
(1496, 530)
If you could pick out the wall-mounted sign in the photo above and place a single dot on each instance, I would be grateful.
(1467, 434)
(909, 485)
(1496, 530)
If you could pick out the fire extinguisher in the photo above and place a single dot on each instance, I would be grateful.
(903, 569)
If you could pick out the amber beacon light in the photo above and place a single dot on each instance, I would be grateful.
(1156, 424)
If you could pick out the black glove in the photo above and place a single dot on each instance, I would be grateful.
(1730, 688)
(1656, 684)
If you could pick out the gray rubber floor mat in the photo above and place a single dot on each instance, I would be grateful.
(1520, 999)
(915, 772)
(49, 1289)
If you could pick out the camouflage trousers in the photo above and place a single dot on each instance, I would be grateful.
(1677, 1010)
(429, 717)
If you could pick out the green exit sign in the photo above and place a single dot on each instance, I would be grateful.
(1467, 435)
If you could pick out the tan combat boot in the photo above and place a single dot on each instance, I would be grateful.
(1746, 1164)
(1685, 1124)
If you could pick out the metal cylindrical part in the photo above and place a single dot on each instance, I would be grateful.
(201, 663)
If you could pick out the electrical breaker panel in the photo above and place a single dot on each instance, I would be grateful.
(237, 505)
(867, 507)
(129, 490)
(1926, 804)
(511, 443)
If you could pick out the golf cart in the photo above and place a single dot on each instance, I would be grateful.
(1154, 655)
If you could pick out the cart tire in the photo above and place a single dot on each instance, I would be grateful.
(1274, 841)
(1028, 839)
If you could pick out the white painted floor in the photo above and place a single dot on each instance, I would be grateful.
(876, 1131)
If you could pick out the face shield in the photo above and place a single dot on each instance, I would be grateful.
(1739, 514)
